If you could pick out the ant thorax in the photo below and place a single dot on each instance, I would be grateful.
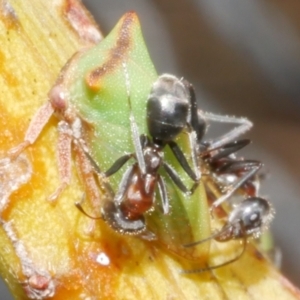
(153, 159)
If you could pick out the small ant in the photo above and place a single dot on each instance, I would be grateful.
(248, 219)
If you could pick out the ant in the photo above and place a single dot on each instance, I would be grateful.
(169, 113)
(250, 217)
(253, 214)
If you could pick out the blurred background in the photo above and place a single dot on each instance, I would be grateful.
(243, 58)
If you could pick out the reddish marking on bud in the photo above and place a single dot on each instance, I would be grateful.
(117, 53)
(258, 255)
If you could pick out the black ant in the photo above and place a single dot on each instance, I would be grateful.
(169, 112)
(248, 219)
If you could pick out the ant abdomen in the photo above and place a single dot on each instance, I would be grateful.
(112, 214)
(139, 195)
(167, 108)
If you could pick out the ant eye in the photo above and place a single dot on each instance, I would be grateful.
(252, 220)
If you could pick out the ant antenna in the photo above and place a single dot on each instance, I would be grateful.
(133, 125)
(209, 268)
(80, 208)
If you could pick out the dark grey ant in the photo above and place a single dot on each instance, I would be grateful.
(248, 219)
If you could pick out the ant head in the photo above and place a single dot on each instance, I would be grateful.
(250, 218)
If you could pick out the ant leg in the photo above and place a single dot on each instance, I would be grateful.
(225, 151)
(182, 160)
(86, 170)
(194, 153)
(244, 125)
(38, 122)
(238, 166)
(137, 144)
(196, 122)
(176, 179)
(196, 128)
(251, 165)
(163, 195)
(118, 164)
(64, 158)
(209, 268)
(125, 181)
(124, 184)
(80, 208)
(215, 235)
